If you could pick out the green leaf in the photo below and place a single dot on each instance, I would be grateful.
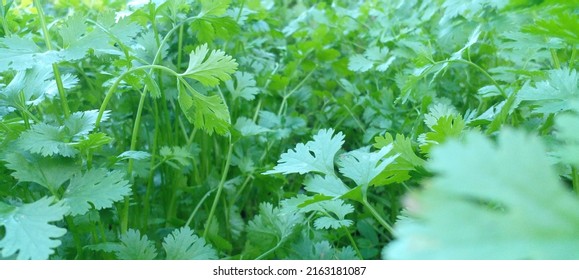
(209, 69)
(96, 188)
(248, 128)
(335, 212)
(553, 95)
(29, 233)
(135, 247)
(20, 54)
(489, 201)
(46, 140)
(179, 155)
(271, 225)
(314, 156)
(50, 173)
(363, 166)
(407, 161)
(567, 126)
(244, 87)
(214, 7)
(206, 112)
(82, 123)
(183, 244)
(327, 185)
(446, 127)
(359, 63)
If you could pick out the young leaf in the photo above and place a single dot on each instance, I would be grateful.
(135, 247)
(28, 232)
(445, 128)
(20, 54)
(183, 244)
(490, 201)
(399, 170)
(206, 112)
(271, 225)
(314, 156)
(209, 69)
(96, 188)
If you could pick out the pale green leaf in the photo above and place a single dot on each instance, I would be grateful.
(244, 86)
(135, 247)
(363, 166)
(50, 173)
(314, 156)
(248, 128)
(489, 201)
(28, 232)
(96, 188)
(183, 244)
(327, 185)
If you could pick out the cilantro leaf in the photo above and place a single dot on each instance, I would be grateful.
(248, 128)
(96, 188)
(553, 95)
(209, 69)
(207, 112)
(399, 170)
(326, 185)
(363, 166)
(335, 212)
(50, 173)
(446, 127)
(20, 54)
(135, 247)
(489, 201)
(214, 7)
(314, 156)
(244, 87)
(183, 244)
(28, 232)
(46, 140)
(271, 225)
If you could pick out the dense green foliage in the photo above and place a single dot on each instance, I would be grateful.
(261, 129)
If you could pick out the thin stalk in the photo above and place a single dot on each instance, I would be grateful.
(219, 188)
(124, 215)
(353, 243)
(285, 97)
(555, 58)
(57, 77)
(197, 207)
(375, 213)
(75, 236)
(572, 59)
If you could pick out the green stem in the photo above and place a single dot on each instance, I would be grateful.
(197, 207)
(555, 58)
(124, 215)
(572, 59)
(75, 236)
(376, 215)
(57, 77)
(111, 91)
(353, 243)
(285, 97)
(219, 188)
